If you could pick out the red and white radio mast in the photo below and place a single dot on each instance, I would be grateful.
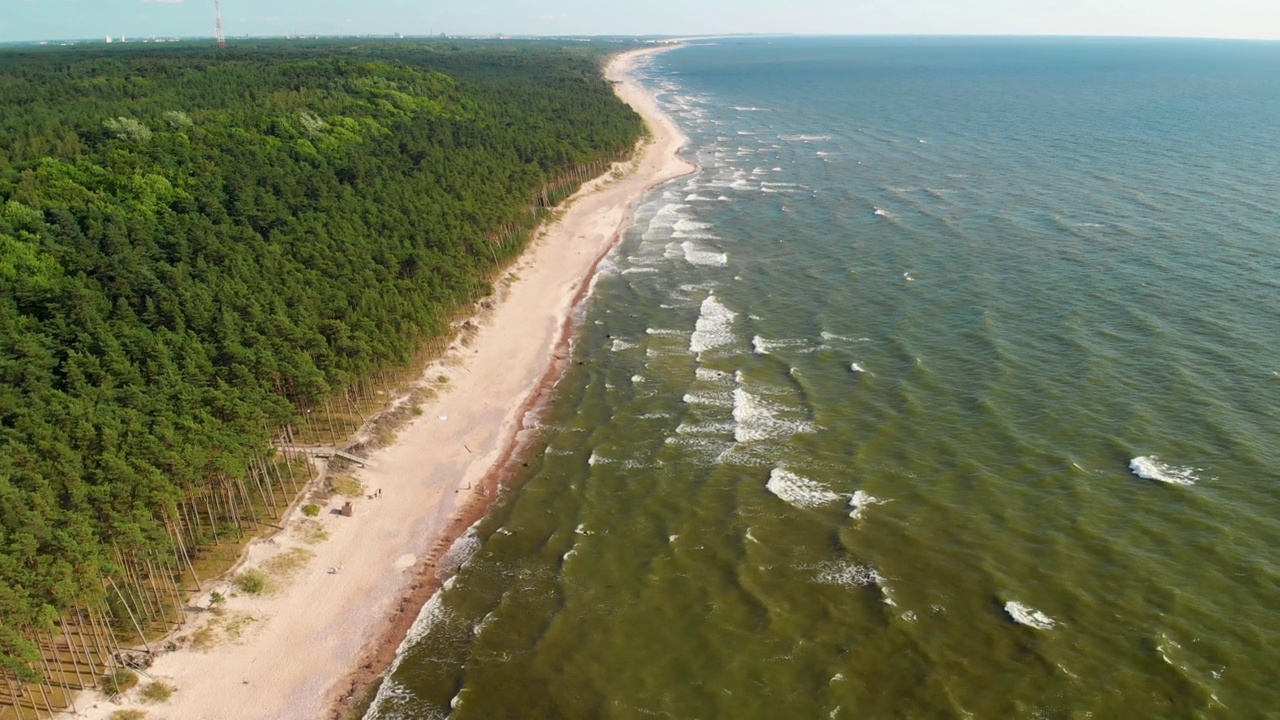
(222, 38)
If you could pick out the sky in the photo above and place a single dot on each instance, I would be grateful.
(51, 19)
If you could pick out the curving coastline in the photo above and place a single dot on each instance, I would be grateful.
(658, 163)
(318, 646)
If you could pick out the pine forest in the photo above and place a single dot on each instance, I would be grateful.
(207, 257)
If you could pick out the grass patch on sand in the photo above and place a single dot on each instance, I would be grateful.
(157, 692)
(127, 715)
(251, 582)
(311, 532)
(236, 625)
(119, 681)
(347, 486)
(226, 627)
(206, 638)
(287, 564)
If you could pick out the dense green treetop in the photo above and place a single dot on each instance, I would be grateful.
(195, 244)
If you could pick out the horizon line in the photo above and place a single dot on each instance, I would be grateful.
(143, 39)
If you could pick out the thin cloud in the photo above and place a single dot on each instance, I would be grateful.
(165, 2)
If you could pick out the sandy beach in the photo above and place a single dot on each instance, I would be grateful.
(329, 631)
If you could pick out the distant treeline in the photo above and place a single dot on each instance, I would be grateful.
(197, 246)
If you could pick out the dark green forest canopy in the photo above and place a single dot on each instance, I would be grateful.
(194, 245)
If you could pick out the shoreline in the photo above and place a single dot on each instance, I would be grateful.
(664, 148)
(318, 646)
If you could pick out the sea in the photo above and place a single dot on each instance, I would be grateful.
(948, 387)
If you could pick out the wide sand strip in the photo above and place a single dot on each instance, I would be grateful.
(330, 629)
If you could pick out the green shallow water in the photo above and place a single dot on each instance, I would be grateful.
(853, 430)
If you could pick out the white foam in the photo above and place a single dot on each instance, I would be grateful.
(755, 420)
(881, 211)
(433, 613)
(1150, 468)
(637, 378)
(713, 399)
(480, 626)
(710, 375)
(848, 574)
(761, 346)
(619, 345)
(706, 428)
(857, 368)
(664, 220)
(606, 267)
(461, 551)
(861, 501)
(695, 256)
(687, 225)
(714, 327)
(799, 491)
(843, 338)
(1030, 617)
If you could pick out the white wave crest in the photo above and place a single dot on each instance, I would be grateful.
(710, 375)
(432, 613)
(685, 224)
(695, 256)
(860, 501)
(755, 420)
(1030, 617)
(461, 551)
(804, 138)
(714, 327)
(843, 338)
(764, 347)
(619, 345)
(713, 399)
(1150, 468)
(799, 491)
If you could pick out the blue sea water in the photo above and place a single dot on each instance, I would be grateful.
(947, 387)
